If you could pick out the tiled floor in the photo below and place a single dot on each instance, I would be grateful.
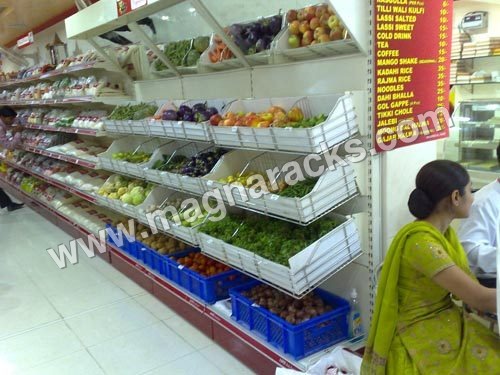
(87, 319)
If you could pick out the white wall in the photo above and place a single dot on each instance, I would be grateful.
(399, 169)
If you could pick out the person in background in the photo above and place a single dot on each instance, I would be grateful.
(416, 327)
(478, 233)
(7, 116)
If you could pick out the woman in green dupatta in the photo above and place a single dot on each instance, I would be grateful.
(416, 327)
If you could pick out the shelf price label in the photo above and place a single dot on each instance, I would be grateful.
(411, 71)
(127, 6)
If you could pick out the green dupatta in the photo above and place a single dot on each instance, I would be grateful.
(385, 316)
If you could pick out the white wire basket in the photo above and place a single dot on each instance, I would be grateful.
(340, 125)
(306, 270)
(139, 127)
(344, 46)
(333, 187)
(186, 130)
(154, 199)
(173, 200)
(129, 144)
(178, 181)
(135, 127)
(171, 148)
(259, 58)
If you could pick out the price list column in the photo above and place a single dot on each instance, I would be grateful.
(411, 71)
(443, 66)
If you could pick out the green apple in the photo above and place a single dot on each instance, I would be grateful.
(294, 41)
(333, 21)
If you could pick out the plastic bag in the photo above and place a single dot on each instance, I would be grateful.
(344, 361)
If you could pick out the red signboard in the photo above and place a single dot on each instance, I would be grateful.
(26, 40)
(412, 49)
(126, 6)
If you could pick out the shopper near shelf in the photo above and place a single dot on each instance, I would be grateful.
(478, 233)
(7, 117)
(416, 327)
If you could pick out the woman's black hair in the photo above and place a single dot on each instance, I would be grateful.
(6, 111)
(436, 180)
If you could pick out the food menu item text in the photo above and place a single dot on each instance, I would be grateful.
(412, 48)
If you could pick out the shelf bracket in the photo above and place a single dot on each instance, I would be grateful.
(209, 18)
(107, 57)
(135, 28)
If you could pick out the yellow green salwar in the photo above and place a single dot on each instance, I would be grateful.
(416, 327)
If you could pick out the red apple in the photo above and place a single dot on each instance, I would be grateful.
(323, 20)
(293, 28)
(291, 15)
(310, 12)
(215, 119)
(336, 33)
(314, 23)
(318, 32)
(307, 38)
(323, 38)
(304, 26)
(301, 15)
(321, 9)
(294, 41)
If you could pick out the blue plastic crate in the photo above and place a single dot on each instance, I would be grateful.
(171, 268)
(129, 247)
(209, 289)
(110, 240)
(300, 340)
(150, 257)
(213, 288)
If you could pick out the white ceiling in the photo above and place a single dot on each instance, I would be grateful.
(18, 17)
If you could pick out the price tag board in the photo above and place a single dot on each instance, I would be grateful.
(127, 6)
(411, 71)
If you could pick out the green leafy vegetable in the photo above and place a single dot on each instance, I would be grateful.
(300, 189)
(133, 111)
(272, 239)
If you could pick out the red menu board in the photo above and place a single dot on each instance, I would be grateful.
(412, 49)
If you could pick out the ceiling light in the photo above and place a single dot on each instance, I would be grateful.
(191, 10)
(165, 18)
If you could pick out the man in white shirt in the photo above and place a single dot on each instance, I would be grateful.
(479, 232)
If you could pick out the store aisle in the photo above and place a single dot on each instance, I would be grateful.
(87, 319)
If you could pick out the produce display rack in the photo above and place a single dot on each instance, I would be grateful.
(332, 190)
(334, 74)
(69, 100)
(98, 65)
(213, 320)
(340, 126)
(79, 193)
(71, 130)
(58, 156)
